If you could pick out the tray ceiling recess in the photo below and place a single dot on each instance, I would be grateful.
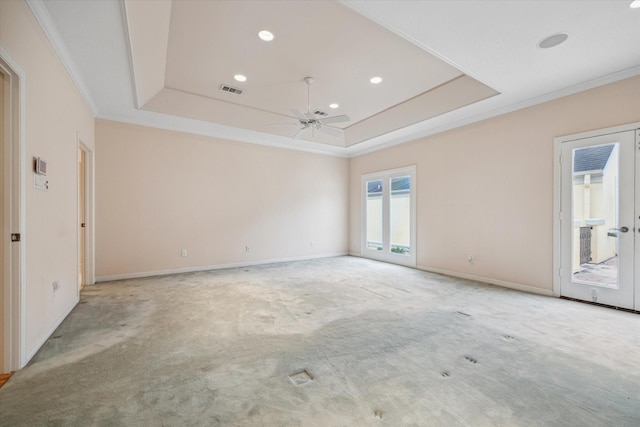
(209, 61)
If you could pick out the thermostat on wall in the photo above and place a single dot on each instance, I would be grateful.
(41, 166)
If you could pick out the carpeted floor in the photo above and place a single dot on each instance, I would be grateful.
(331, 342)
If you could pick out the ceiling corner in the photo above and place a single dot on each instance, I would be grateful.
(147, 25)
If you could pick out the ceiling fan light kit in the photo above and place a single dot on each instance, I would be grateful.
(316, 120)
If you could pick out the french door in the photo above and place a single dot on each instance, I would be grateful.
(599, 223)
(388, 216)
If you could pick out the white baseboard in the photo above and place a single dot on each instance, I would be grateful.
(113, 277)
(490, 281)
(50, 332)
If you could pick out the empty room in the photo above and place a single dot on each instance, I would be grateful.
(320, 213)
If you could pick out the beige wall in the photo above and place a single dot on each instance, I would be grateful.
(483, 190)
(54, 112)
(486, 189)
(159, 191)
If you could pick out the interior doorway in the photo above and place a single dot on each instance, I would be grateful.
(12, 249)
(388, 216)
(85, 197)
(86, 272)
(82, 217)
(598, 208)
(4, 134)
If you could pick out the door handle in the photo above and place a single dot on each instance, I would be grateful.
(621, 229)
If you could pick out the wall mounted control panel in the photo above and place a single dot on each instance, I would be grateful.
(40, 181)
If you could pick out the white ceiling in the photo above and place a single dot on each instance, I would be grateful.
(491, 43)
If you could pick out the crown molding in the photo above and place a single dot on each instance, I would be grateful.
(405, 135)
(41, 14)
(212, 130)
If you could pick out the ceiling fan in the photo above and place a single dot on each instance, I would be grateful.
(314, 121)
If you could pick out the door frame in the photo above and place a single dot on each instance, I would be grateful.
(410, 260)
(557, 200)
(13, 203)
(89, 212)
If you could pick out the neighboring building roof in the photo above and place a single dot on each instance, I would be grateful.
(592, 158)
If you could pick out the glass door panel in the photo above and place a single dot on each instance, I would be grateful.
(374, 215)
(598, 220)
(389, 216)
(400, 215)
(595, 215)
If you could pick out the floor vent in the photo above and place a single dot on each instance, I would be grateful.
(301, 377)
(230, 89)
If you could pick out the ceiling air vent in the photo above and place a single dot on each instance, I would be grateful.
(320, 113)
(230, 89)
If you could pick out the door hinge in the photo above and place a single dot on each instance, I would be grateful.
(15, 237)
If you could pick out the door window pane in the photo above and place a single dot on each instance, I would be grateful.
(595, 215)
(400, 215)
(374, 215)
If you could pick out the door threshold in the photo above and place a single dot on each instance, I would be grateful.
(628, 310)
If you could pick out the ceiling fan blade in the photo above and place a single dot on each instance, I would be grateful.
(331, 131)
(335, 119)
(302, 129)
(299, 114)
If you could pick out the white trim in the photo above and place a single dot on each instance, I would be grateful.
(388, 140)
(132, 68)
(196, 127)
(557, 190)
(41, 14)
(385, 255)
(16, 299)
(490, 281)
(90, 249)
(113, 277)
(392, 139)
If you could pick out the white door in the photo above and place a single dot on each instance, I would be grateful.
(388, 216)
(81, 218)
(599, 219)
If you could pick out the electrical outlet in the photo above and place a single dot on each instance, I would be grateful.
(246, 248)
(55, 285)
(183, 252)
(311, 244)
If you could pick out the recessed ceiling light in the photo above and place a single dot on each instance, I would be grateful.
(333, 105)
(375, 80)
(553, 40)
(240, 78)
(635, 4)
(265, 35)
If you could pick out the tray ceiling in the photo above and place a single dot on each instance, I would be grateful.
(444, 63)
(197, 47)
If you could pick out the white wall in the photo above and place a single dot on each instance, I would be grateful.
(486, 189)
(55, 114)
(158, 192)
